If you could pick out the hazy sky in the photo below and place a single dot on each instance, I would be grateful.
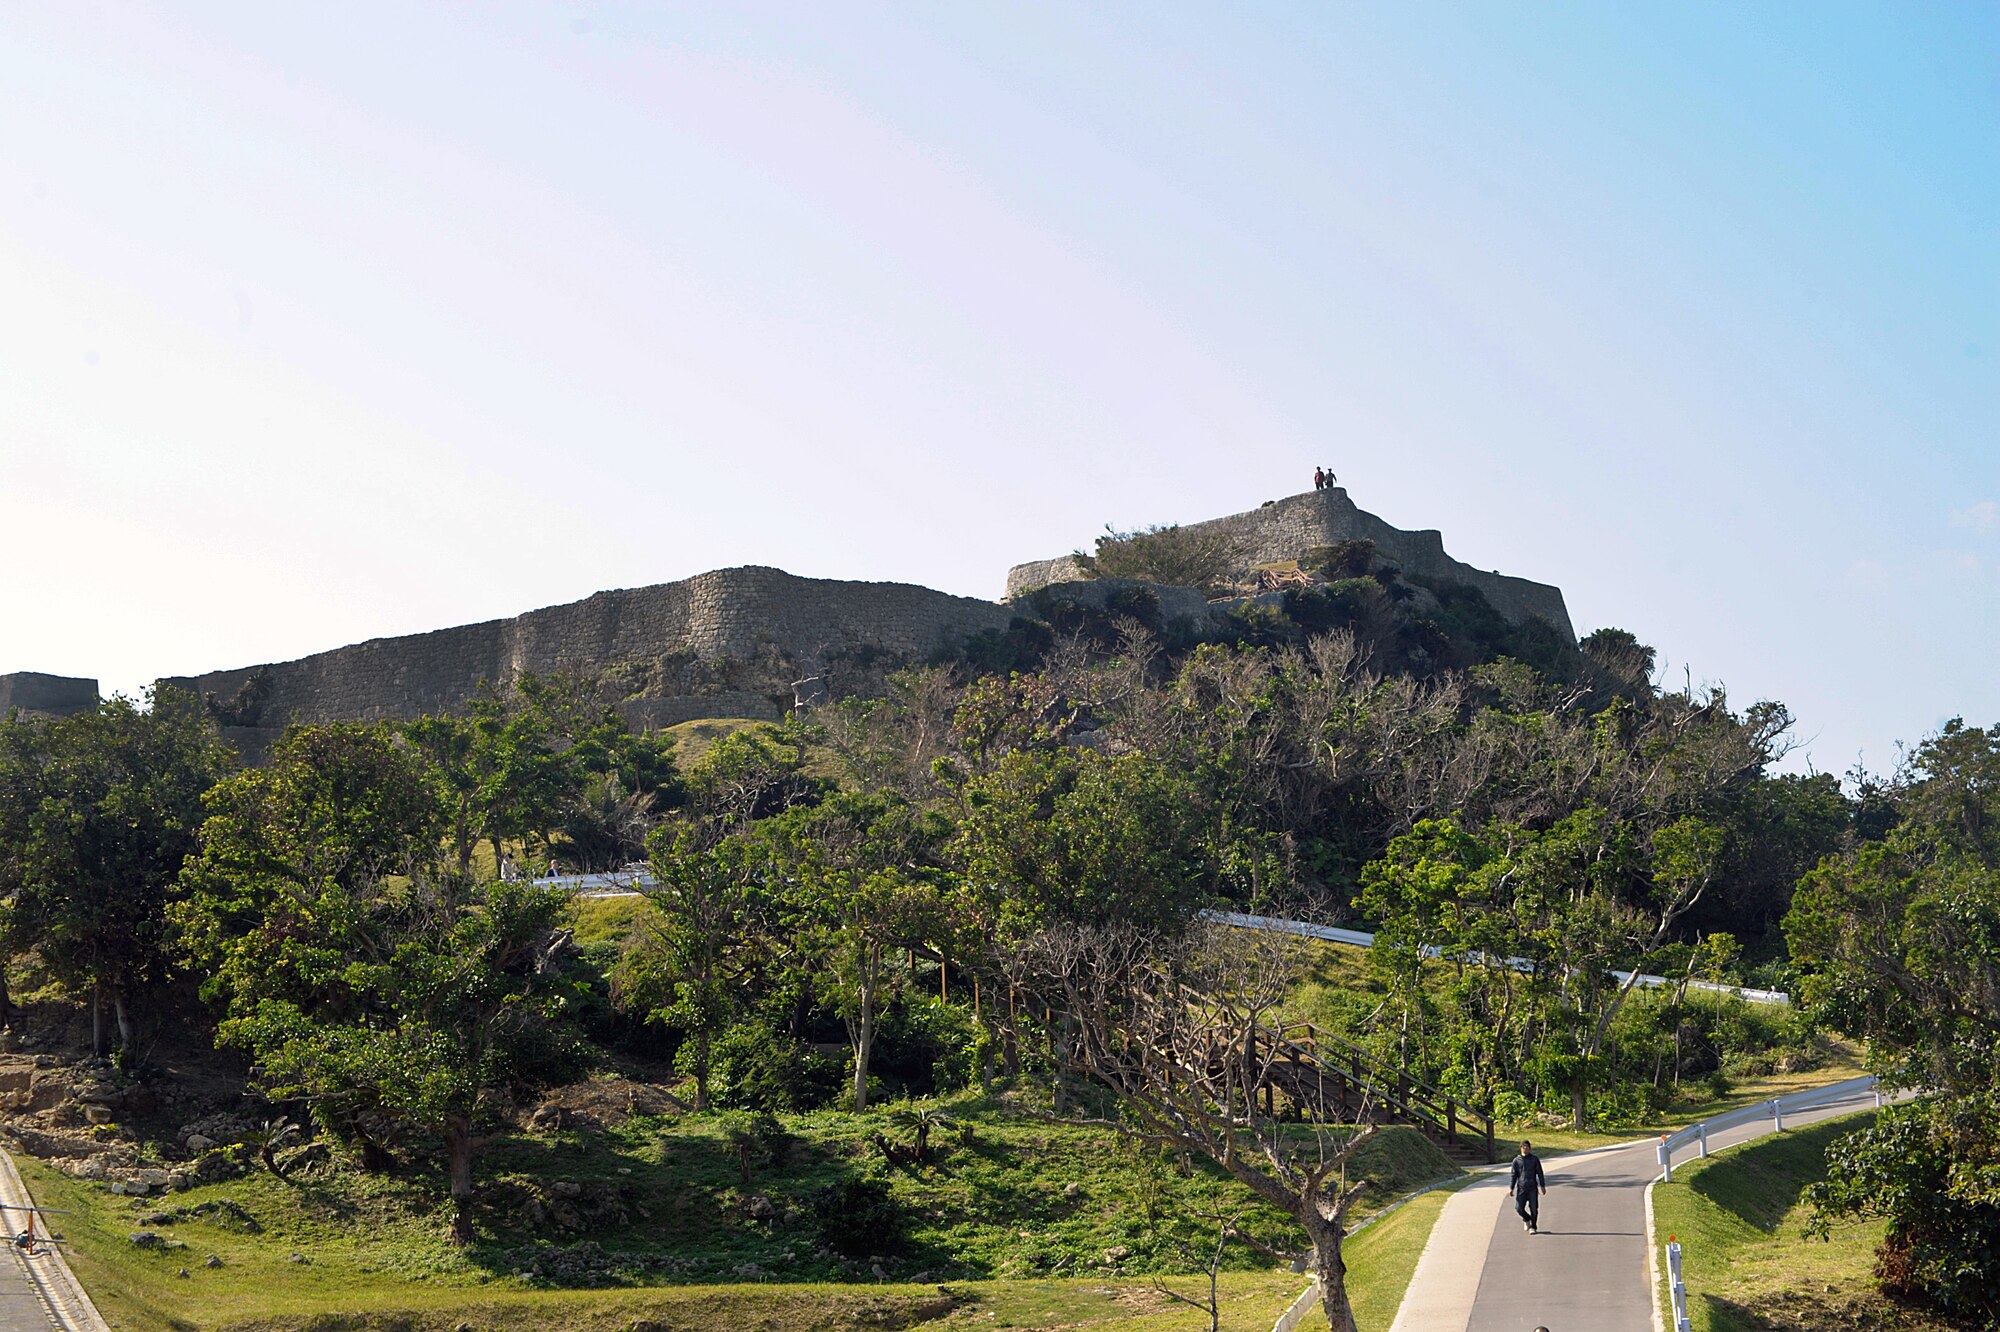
(326, 322)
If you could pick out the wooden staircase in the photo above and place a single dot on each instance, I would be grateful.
(1333, 1079)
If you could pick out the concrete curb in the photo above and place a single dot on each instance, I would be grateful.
(46, 1270)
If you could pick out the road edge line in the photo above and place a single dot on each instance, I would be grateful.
(1653, 1262)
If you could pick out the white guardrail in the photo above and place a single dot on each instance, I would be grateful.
(1363, 939)
(1773, 1110)
(636, 878)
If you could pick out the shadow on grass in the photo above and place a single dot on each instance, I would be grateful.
(1766, 1178)
(556, 1213)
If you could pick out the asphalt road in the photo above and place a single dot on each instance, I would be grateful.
(1584, 1271)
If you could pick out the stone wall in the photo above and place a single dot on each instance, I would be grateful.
(728, 613)
(1288, 528)
(50, 695)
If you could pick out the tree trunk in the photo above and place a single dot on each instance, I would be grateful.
(1331, 1269)
(1068, 1044)
(463, 837)
(122, 1015)
(96, 1020)
(701, 1068)
(864, 1041)
(1010, 1048)
(458, 1149)
(6, 998)
(1578, 1087)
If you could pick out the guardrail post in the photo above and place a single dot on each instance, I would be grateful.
(1666, 1160)
(1777, 1116)
(1702, 1128)
(1677, 1286)
(1877, 1089)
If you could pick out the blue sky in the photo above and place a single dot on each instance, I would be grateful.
(320, 323)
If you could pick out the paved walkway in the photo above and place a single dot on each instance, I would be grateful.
(1586, 1271)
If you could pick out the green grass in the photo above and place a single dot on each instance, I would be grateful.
(665, 1233)
(1382, 1259)
(605, 919)
(1747, 1262)
(692, 739)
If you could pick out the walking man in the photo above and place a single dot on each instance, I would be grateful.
(1526, 1184)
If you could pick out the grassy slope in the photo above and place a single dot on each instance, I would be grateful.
(1746, 1261)
(1037, 1202)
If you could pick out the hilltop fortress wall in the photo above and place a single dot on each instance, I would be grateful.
(36, 694)
(1287, 528)
(727, 643)
(730, 613)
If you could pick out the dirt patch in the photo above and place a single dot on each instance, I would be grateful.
(600, 1103)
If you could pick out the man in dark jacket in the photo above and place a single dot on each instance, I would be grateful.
(1526, 1184)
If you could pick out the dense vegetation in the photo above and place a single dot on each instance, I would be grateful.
(883, 875)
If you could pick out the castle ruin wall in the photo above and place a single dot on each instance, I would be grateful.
(1287, 528)
(726, 613)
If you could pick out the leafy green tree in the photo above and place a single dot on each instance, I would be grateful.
(542, 760)
(442, 1009)
(752, 774)
(1898, 941)
(686, 967)
(859, 877)
(1070, 834)
(98, 811)
(352, 962)
(293, 853)
(1530, 926)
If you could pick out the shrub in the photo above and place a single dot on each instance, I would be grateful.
(1175, 556)
(926, 1046)
(859, 1219)
(753, 1068)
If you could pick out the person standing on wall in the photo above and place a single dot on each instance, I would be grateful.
(1526, 1183)
(1319, 478)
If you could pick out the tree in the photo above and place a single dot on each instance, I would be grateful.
(682, 968)
(98, 811)
(1898, 941)
(1530, 924)
(443, 1007)
(356, 966)
(1178, 1026)
(858, 876)
(541, 759)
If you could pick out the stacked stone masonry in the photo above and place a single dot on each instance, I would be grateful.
(47, 695)
(727, 613)
(744, 615)
(1287, 528)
